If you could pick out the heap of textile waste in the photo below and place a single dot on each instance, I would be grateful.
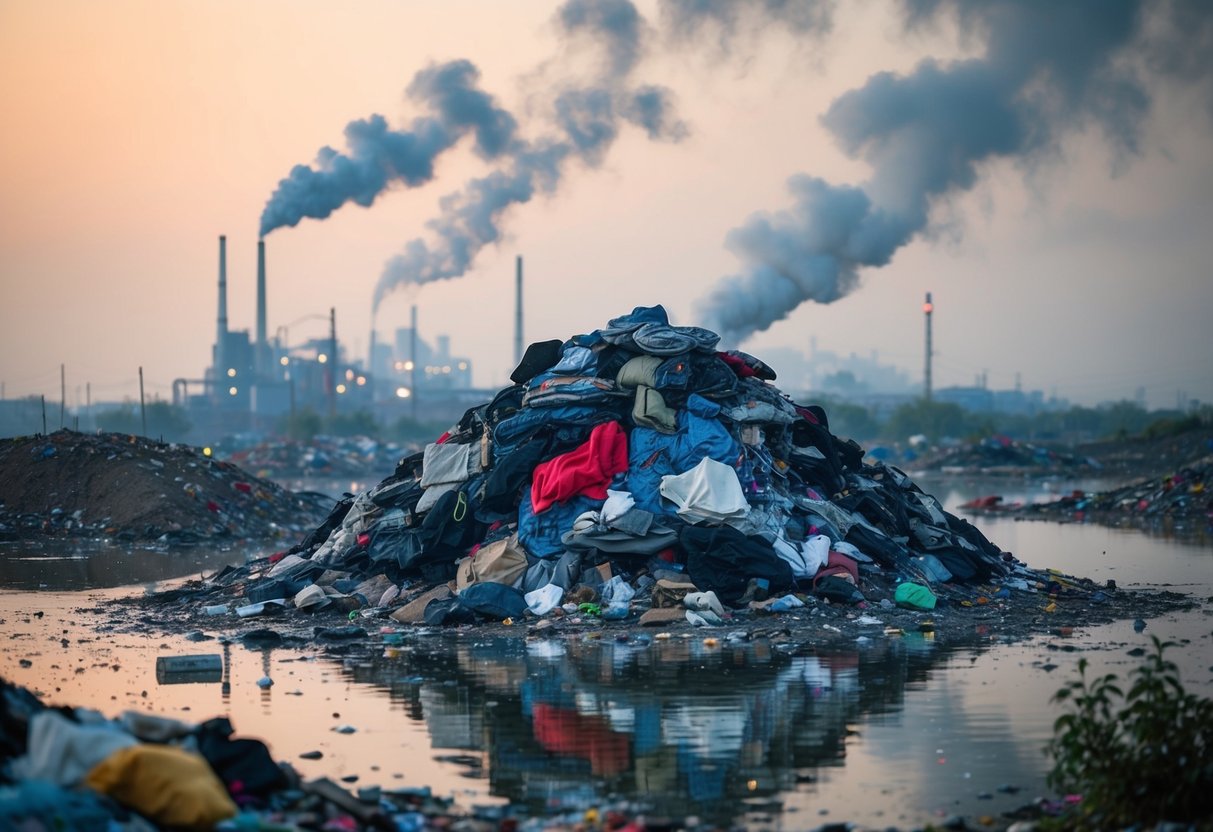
(631, 459)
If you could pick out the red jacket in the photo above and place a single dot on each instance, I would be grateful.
(586, 470)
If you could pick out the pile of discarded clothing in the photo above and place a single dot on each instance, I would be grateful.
(635, 459)
(72, 768)
(1179, 497)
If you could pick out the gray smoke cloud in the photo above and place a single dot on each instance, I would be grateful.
(379, 156)
(587, 120)
(1048, 69)
(727, 20)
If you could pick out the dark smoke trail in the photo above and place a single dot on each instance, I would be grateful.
(1048, 68)
(688, 20)
(587, 121)
(379, 156)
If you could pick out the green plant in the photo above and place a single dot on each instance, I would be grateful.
(1136, 757)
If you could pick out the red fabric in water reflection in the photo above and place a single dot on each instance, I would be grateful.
(571, 734)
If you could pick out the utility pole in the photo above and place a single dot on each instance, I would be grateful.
(333, 363)
(62, 394)
(927, 309)
(142, 403)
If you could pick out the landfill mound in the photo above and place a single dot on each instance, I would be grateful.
(635, 469)
(321, 457)
(132, 489)
(1001, 455)
(1180, 500)
(1144, 457)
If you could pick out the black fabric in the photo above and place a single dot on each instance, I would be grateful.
(711, 377)
(828, 472)
(410, 466)
(398, 544)
(321, 533)
(881, 548)
(838, 590)
(960, 562)
(886, 514)
(504, 404)
(449, 528)
(17, 708)
(447, 611)
(244, 765)
(851, 453)
(970, 533)
(723, 560)
(611, 359)
(503, 484)
(539, 357)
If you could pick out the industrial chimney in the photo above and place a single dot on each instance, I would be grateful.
(261, 351)
(219, 358)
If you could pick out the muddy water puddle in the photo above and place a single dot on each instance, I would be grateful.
(895, 732)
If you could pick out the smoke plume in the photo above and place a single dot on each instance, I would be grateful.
(1047, 70)
(691, 20)
(378, 156)
(586, 121)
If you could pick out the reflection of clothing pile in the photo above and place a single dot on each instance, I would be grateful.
(639, 450)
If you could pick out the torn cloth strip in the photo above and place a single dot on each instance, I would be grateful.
(587, 470)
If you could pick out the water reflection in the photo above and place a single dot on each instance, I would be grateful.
(85, 565)
(679, 727)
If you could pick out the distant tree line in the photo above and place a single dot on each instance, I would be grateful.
(935, 421)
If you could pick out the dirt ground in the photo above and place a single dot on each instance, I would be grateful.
(129, 488)
(964, 615)
(1140, 458)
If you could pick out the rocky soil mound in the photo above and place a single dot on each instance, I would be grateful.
(129, 488)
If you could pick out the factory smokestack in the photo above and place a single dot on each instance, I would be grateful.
(261, 349)
(927, 309)
(518, 311)
(222, 290)
(221, 334)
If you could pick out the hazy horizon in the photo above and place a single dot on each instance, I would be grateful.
(779, 172)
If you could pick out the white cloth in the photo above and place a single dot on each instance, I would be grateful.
(804, 558)
(703, 601)
(545, 599)
(618, 503)
(710, 492)
(63, 751)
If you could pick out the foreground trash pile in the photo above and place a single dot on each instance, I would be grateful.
(632, 474)
(71, 768)
(1182, 497)
(128, 489)
(1002, 455)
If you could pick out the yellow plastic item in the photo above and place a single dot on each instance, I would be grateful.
(168, 785)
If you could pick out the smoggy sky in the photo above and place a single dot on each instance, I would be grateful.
(777, 171)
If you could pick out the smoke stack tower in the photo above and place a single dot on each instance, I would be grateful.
(218, 358)
(927, 309)
(261, 351)
(221, 334)
(518, 311)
